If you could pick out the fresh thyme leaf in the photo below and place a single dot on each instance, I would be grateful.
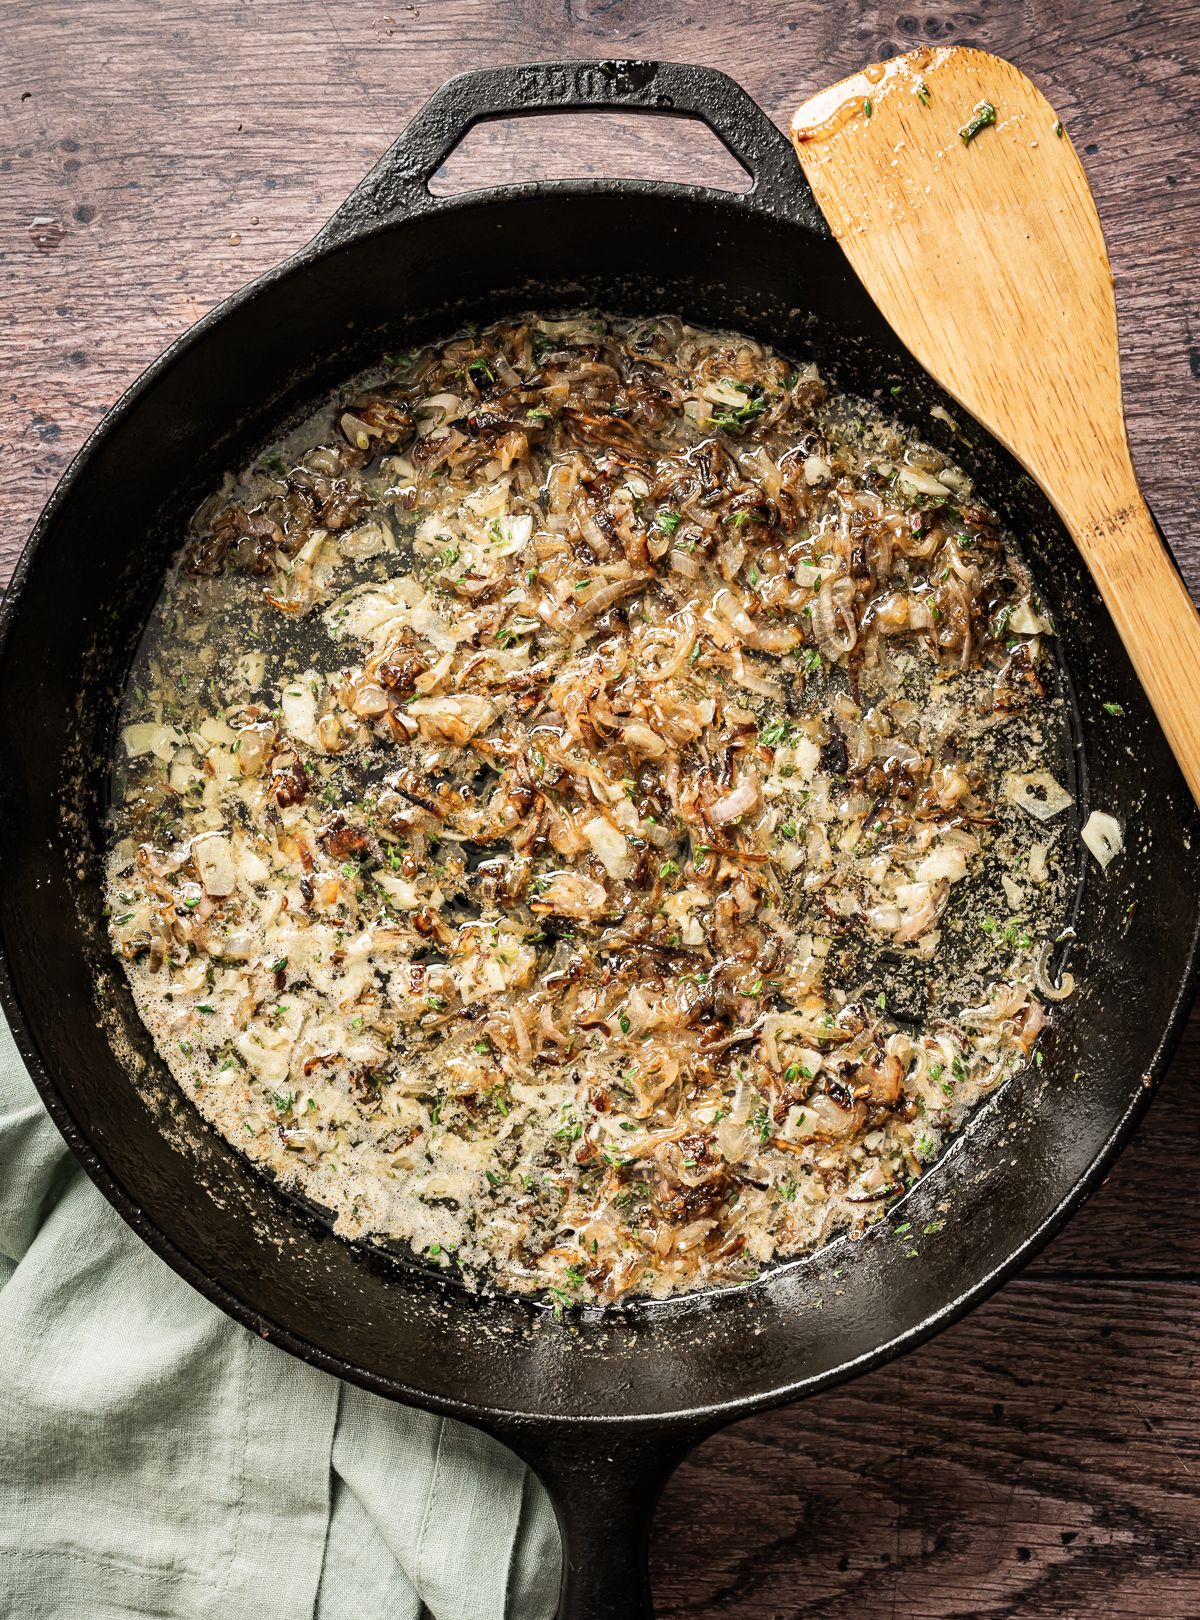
(983, 115)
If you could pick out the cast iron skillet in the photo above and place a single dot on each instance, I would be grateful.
(601, 1405)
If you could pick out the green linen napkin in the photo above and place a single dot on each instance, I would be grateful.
(156, 1459)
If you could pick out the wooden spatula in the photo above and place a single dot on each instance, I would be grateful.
(951, 185)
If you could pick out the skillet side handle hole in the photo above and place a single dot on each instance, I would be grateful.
(622, 144)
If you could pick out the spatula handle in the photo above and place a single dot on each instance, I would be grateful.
(1150, 606)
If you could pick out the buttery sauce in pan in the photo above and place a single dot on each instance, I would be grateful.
(590, 809)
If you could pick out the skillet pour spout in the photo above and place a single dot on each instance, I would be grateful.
(602, 1404)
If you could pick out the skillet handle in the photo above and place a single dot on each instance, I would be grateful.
(397, 187)
(604, 1481)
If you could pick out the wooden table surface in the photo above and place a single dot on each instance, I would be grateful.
(1042, 1457)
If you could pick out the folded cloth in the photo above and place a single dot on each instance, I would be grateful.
(156, 1459)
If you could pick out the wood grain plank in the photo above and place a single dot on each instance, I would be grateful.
(153, 131)
(565, 146)
(1040, 1459)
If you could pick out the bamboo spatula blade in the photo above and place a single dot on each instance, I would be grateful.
(950, 183)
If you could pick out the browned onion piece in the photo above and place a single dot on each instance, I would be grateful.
(1041, 979)
(608, 594)
(923, 920)
(738, 803)
(676, 659)
(828, 619)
